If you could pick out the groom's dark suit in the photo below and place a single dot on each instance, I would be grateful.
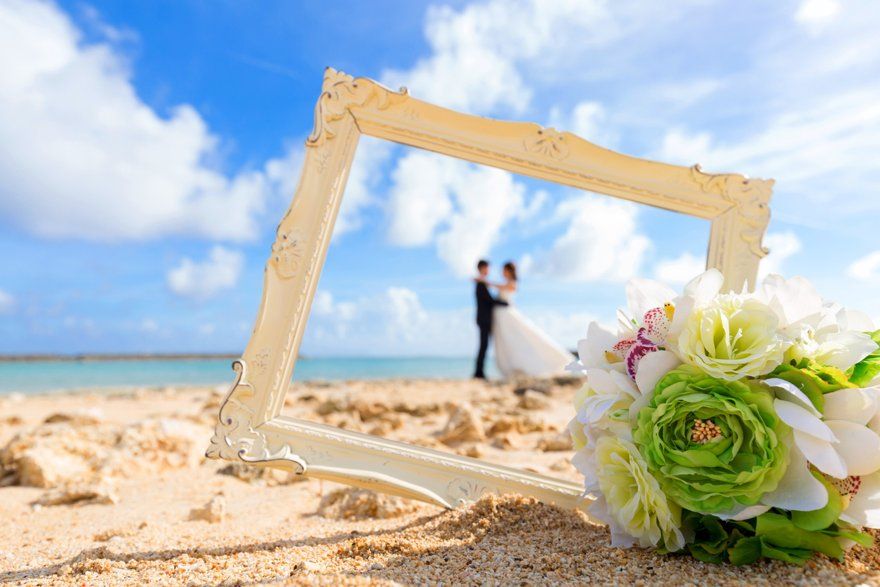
(485, 305)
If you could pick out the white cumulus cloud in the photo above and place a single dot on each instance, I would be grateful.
(461, 207)
(203, 280)
(601, 243)
(866, 268)
(83, 156)
(782, 246)
(679, 270)
(7, 302)
(814, 12)
(478, 53)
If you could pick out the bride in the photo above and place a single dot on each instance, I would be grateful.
(521, 348)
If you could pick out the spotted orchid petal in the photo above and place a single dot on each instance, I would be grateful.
(643, 295)
(859, 447)
(864, 506)
(636, 353)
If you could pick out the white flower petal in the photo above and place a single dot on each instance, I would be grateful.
(858, 321)
(743, 512)
(790, 392)
(592, 351)
(601, 382)
(636, 407)
(864, 507)
(792, 299)
(859, 446)
(705, 287)
(624, 383)
(644, 294)
(802, 420)
(855, 405)
(798, 489)
(849, 348)
(584, 463)
(652, 367)
(821, 454)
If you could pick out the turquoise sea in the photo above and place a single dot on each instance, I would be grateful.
(48, 376)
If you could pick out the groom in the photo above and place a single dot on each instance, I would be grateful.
(485, 304)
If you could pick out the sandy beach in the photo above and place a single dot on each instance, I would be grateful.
(112, 488)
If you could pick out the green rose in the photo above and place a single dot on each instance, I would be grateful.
(715, 446)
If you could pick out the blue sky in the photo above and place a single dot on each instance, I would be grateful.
(147, 150)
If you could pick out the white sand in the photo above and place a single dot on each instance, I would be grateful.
(176, 520)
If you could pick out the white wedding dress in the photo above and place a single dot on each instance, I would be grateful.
(521, 348)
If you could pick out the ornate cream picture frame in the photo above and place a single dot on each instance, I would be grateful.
(251, 428)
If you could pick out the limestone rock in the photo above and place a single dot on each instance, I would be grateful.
(42, 467)
(57, 453)
(81, 417)
(101, 492)
(558, 442)
(214, 511)
(533, 400)
(264, 476)
(161, 443)
(463, 426)
(519, 424)
(359, 504)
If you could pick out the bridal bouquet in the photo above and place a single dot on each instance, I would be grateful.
(733, 426)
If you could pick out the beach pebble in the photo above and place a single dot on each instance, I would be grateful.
(214, 511)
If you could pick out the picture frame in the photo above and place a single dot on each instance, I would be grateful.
(251, 428)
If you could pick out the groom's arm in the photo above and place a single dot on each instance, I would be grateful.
(498, 302)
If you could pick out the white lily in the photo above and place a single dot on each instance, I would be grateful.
(826, 333)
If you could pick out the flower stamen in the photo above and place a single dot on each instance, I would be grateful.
(705, 431)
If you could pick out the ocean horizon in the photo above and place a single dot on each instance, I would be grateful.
(102, 372)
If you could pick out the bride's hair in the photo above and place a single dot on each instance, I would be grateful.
(510, 267)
